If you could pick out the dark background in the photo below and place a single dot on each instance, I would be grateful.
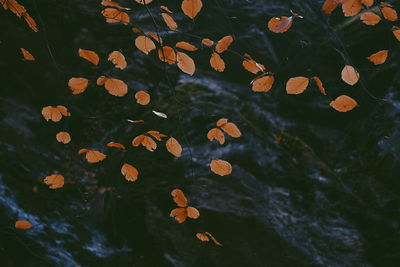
(327, 194)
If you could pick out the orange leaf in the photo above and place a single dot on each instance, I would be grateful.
(370, 18)
(63, 110)
(118, 59)
(388, 12)
(117, 145)
(89, 55)
(157, 135)
(396, 32)
(130, 172)
(144, 44)
(223, 44)
(185, 63)
(202, 237)
(116, 87)
(343, 103)
(216, 133)
(221, 167)
(179, 198)
(207, 42)
(113, 15)
(320, 85)
(252, 66)
(78, 85)
(23, 225)
(31, 22)
(167, 54)
(216, 62)
(166, 9)
(55, 181)
(145, 141)
(351, 7)
(27, 56)
(192, 212)
(329, 6)
(280, 24)
(262, 83)
(230, 128)
(174, 147)
(378, 57)
(142, 98)
(54, 113)
(63, 137)
(221, 122)
(350, 75)
(213, 239)
(191, 7)
(169, 21)
(186, 46)
(137, 141)
(144, 2)
(92, 156)
(179, 214)
(367, 2)
(113, 4)
(155, 37)
(296, 85)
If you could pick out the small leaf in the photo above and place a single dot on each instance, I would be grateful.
(280, 24)
(343, 103)
(130, 172)
(55, 181)
(297, 85)
(160, 114)
(320, 85)
(63, 137)
(207, 42)
(378, 57)
(113, 15)
(142, 98)
(174, 147)
(186, 46)
(217, 134)
(221, 167)
(118, 59)
(92, 156)
(27, 55)
(144, 44)
(78, 85)
(350, 75)
(169, 21)
(262, 83)
(216, 62)
(179, 198)
(370, 18)
(224, 44)
(23, 225)
(191, 7)
(89, 55)
(117, 145)
(185, 63)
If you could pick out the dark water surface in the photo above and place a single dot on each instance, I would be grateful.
(326, 194)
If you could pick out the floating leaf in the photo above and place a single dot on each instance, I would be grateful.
(320, 85)
(351, 7)
(229, 127)
(191, 7)
(145, 141)
(280, 24)
(367, 2)
(23, 225)
(114, 86)
(216, 133)
(174, 147)
(144, 2)
(157, 135)
(224, 44)
(130, 172)
(221, 167)
(114, 15)
(216, 62)
(27, 55)
(55, 181)
(262, 83)
(117, 145)
(205, 237)
(54, 113)
(89, 55)
(112, 4)
(92, 156)
(169, 21)
(63, 137)
(343, 103)
(396, 32)
(185, 63)
(378, 57)
(179, 198)
(252, 66)
(166, 9)
(118, 59)
(370, 18)
(186, 46)
(329, 6)
(167, 54)
(142, 98)
(78, 85)
(350, 75)
(144, 44)
(160, 114)
(296, 85)
(207, 42)
(388, 12)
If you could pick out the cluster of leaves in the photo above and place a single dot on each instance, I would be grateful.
(20, 11)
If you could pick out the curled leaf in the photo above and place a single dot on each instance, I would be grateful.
(320, 85)
(157, 135)
(117, 145)
(160, 114)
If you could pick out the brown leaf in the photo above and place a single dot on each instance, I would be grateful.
(221, 122)
(117, 145)
(174, 147)
(130, 172)
(179, 198)
(216, 62)
(367, 2)
(351, 7)
(350, 75)
(114, 15)
(23, 225)
(186, 46)
(185, 63)
(216, 133)
(370, 18)
(144, 44)
(280, 24)
(55, 181)
(137, 141)
(142, 98)
(297, 85)
(27, 56)
(213, 239)
(78, 85)
(191, 7)
(31, 22)
(92, 156)
(63, 137)
(224, 44)
(262, 83)
(54, 113)
(167, 54)
(89, 55)
(145, 141)
(169, 21)
(378, 57)
(118, 59)
(166, 9)
(221, 167)
(320, 85)
(343, 103)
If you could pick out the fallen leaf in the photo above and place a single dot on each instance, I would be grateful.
(185, 63)
(221, 167)
(115, 87)
(329, 6)
(160, 114)
(89, 55)
(142, 98)
(167, 54)
(186, 46)
(351, 7)
(216, 62)
(27, 55)
(367, 2)
(388, 12)
(207, 42)
(54, 113)
(396, 32)
(92, 156)
(157, 135)
(117, 145)
(78, 85)
(191, 7)
(217, 134)
(114, 15)
(252, 66)
(202, 237)
(144, 2)
(378, 57)
(192, 212)
(343, 103)
(54, 181)
(166, 9)
(179, 198)
(370, 18)
(130, 172)
(280, 24)
(174, 147)
(63, 137)
(320, 85)
(262, 83)
(350, 75)
(145, 141)
(230, 128)
(118, 59)
(23, 225)
(144, 44)
(169, 21)
(297, 85)
(224, 44)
